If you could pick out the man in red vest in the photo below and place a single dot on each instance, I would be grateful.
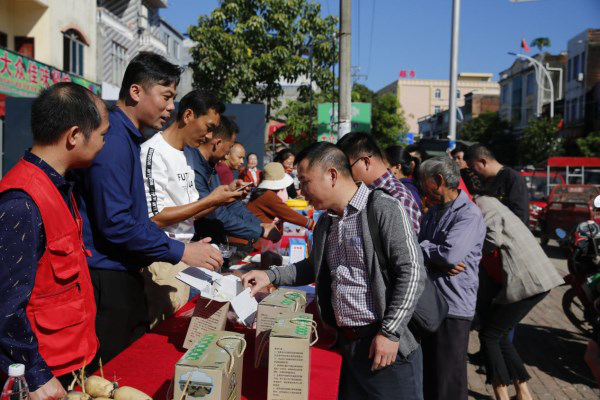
(48, 309)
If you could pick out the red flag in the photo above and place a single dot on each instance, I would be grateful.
(524, 45)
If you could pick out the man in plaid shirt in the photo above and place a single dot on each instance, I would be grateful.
(368, 166)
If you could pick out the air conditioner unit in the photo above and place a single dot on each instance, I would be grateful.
(580, 77)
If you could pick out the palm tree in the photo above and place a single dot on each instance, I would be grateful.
(540, 43)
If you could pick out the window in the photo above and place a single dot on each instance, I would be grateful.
(582, 63)
(436, 109)
(575, 68)
(25, 45)
(438, 94)
(531, 84)
(167, 40)
(73, 49)
(504, 93)
(119, 63)
(176, 49)
(458, 94)
(517, 99)
(569, 69)
(3, 39)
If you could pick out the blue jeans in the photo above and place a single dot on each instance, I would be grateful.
(401, 380)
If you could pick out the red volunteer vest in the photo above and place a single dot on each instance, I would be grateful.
(62, 309)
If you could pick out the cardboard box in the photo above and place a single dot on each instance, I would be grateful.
(298, 250)
(209, 371)
(281, 300)
(289, 357)
(208, 316)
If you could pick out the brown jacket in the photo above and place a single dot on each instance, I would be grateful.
(268, 206)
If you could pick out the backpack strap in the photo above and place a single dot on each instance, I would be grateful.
(376, 237)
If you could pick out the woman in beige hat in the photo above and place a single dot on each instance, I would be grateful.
(269, 200)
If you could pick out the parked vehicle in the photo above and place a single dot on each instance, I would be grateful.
(581, 303)
(568, 205)
(537, 185)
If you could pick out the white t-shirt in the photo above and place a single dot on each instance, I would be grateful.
(168, 182)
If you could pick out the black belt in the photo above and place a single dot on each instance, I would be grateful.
(358, 332)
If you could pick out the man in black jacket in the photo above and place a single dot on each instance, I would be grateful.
(500, 181)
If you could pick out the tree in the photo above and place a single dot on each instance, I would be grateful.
(493, 132)
(589, 146)
(540, 140)
(247, 47)
(540, 43)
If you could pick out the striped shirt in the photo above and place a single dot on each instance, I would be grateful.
(352, 295)
(396, 189)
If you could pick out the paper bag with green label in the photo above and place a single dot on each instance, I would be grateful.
(281, 300)
(289, 356)
(208, 316)
(212, 368)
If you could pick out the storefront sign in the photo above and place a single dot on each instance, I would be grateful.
(21, 76)
(328, 116)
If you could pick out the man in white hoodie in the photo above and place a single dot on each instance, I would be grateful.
(172, 198)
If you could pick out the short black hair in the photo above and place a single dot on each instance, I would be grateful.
(226, 129)
(199, 102)
(460, 147)
(358, 144)
(411, 148)
(325, 155)
(397, 155)
(61, 107)
(283, 155)
(478, 152)
(148, 69)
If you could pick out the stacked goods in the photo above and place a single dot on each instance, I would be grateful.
(281, 300)
(208, 316)
(212, 368)
(289, 356)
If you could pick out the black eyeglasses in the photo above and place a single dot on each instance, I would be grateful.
(358, 159)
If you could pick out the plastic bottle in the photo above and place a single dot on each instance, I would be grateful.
(16, 386)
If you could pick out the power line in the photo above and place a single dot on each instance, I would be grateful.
(371, 39)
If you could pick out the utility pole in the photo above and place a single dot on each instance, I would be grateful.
(453, 72)
(345, 101)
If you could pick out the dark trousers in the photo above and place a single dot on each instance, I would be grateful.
(503, 364)
(122, 316)
(445, 361)
(401, 380)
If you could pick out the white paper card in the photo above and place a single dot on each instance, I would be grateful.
(245, 307)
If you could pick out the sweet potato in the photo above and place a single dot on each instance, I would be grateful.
(77, 396)
(97, 386)
(129, 393)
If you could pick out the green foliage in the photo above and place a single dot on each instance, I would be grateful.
(494, 132)
(540, 140)
(540, 43)
(247, 46)
(589, 146)
(387, 123)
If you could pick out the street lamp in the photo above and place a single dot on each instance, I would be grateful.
(538, 66)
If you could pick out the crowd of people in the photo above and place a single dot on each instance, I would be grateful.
(97, 221)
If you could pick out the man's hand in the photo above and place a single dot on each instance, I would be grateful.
(238, 183)
(51, 390)
(271, 232)
(224, 195)
(256, 280)
(202, 254)
(457, 269)
(383, 351)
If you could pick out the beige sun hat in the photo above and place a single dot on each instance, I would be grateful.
(275, 178)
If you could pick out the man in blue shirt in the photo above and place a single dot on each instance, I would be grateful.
(121, 237)
(233, 219)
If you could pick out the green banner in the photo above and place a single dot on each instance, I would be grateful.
(327, 120)
(21, 76)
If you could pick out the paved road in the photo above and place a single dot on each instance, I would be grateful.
(551, 347)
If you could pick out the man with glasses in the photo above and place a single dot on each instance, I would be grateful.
(367, 165)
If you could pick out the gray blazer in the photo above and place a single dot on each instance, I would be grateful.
(526, 269)
(395, 303)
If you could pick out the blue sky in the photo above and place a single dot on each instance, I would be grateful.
(415, 34)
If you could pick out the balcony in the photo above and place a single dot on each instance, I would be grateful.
(111, 21)
(151, 42)
(158, 3)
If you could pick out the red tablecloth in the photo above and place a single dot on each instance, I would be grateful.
(149, 363)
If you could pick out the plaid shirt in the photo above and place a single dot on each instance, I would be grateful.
(352, 296)
(396, 189)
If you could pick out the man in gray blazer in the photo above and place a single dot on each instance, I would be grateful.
(381, 357)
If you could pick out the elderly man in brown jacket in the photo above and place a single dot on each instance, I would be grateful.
(527, 276)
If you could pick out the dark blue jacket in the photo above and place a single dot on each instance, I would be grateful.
(112, 202)
(231, 220)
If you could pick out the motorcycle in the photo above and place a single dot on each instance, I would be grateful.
(581, 302)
